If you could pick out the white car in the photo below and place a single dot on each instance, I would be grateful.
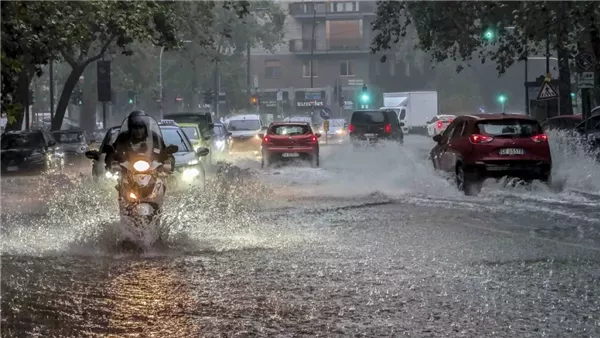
(438, 124)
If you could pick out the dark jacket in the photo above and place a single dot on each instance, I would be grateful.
(121, 148)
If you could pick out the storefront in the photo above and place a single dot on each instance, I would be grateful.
(307, 101)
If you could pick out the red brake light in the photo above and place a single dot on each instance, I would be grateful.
(540, 138)
(351, 128)
(440, 124)
(450, 120)
(313, 139)
(478, 139)
(388, 128)
(266, 139)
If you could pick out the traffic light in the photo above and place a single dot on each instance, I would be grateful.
(76, 97)
(131, 97)
(365, 96)
(341, 101)
(30, 97)
(489, 34)
(254, 100)
(208, 97)
(501, 98)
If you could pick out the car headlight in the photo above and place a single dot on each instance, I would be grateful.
(112, 176)
(193, 162)
(339, 131)
(220, 144)
(190, 174)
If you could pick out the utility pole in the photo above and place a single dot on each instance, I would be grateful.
(104, 109)
(248, 86)
(51, 90)
(312, 46)
(548, 63)
(526, 79)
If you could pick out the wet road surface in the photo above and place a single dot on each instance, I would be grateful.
(372, 244)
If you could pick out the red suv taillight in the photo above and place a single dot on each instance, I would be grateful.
(479, 139)
(313, 139)
(440, 124)
(387, 128)
(266, 139)
(351, 128)
(540, 138)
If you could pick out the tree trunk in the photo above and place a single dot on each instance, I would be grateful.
(595, 44)
(564, 86)
(25, 78)
(87, 118)
(65, 96)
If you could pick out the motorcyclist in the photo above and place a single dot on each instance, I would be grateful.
(134, 139)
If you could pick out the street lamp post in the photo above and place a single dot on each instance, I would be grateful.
(160, 79)
(248, 75)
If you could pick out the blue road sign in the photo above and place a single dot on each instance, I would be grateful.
(325, 113)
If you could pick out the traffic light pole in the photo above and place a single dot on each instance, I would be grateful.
(103, 109)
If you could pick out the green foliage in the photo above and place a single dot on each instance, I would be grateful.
(456, 30)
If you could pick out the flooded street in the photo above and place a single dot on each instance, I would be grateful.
(372, 243)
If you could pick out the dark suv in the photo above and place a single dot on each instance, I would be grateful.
(475, 147)
(374, 125)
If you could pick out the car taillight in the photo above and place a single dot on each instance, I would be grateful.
(478, 139)
(440, 124)
(387, 128)
(351, 128)
(540, 138)
(266, 139)
(313, 139)
(450, 120)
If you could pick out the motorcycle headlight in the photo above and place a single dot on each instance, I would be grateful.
(189, 174)
(141, 166)
(113, 176)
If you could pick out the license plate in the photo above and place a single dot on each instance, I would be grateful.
(512, 151)
(12, 168)
(370, 135)
(290, 155)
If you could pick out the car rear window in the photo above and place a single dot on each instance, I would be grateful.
(370, 117)
(509, 127)
(290, 130)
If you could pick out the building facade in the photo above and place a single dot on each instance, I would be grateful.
(327, 44)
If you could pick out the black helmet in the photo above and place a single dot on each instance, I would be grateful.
(137, 120)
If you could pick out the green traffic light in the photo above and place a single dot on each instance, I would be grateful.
(501, 98)
(572, 94)
(489, 34)
(365, 97)
(130, 101)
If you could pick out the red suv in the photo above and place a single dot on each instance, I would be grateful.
(475, 147)
(288, 141)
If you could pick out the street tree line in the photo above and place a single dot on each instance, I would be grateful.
(503, 33)
(197, 37)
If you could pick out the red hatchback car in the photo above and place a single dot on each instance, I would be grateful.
(476, 147)
(288, 141)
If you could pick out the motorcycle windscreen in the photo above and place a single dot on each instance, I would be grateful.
(141, 138)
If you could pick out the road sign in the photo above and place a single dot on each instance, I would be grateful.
(585, 61)
(585, 80)
(326, 126)
(356, 82)
(325, 113)
(547, 92)
(255, 81)
(279, 95)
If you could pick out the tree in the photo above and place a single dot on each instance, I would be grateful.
(90, 27)
(501, 32)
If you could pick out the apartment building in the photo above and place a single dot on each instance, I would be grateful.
(326, 43)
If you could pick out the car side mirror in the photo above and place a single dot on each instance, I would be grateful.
(202, 151)
(172, 149)
(51, 143)
(93, 155)
(318, 135)
(261, 136)
(402, 124)
(437, 138)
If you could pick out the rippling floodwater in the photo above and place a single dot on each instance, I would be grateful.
(372, 243)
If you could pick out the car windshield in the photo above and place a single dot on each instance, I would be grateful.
(173, 136)
(65, 137)
(510, 128)
(368, 117)
(290, 130)
(244, 125)
(191, 132)
(22, 141)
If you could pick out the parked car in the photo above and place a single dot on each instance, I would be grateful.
(563, 122)
(476, 147)
(25, 152)
(439, 123)
(74, 143)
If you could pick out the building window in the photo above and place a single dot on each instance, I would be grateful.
(306, 68)
(346, 68)
(273, 69)
(344, 6)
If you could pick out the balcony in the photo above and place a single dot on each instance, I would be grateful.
(332, 10)
(329, 45)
